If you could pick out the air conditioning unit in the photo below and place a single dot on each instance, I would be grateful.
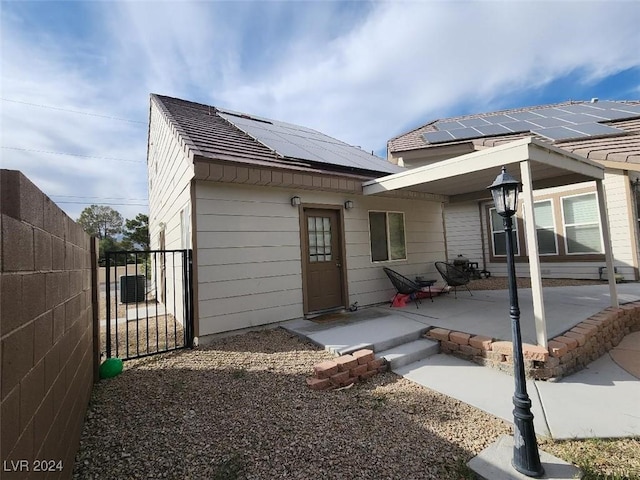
(132, 288)
(602, 274)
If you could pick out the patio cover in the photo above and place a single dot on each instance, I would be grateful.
(536, 164)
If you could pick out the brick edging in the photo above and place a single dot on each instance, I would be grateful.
(566, 353)
(345, 370)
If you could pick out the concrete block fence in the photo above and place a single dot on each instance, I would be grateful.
(48, 318)
(566, 353)
(345, 370)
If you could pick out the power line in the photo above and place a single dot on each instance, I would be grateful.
(98, 198)
(72, 111)
(72, 154)
(109, 203)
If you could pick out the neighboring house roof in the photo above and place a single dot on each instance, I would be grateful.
(219, 134)
(595, 130)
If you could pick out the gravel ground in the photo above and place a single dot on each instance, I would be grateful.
(240, 409)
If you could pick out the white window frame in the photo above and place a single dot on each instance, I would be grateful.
(516, 252)
(553, 227)
(565, 225)
(404, 226)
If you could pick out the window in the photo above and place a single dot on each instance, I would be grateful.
(545, 229)
(581, 224)
(386, 233)
(319, 239)
(500, 237)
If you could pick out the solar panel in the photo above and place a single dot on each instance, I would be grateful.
(520, 126)
(496, 119)
(437, 137)
(597, 129)
(549, 112)
(547, 122)
(560, 133)
(475, 122)
(524, 115)
(449, 125)
(556, 123)
(578, 118)
(463, 133)
(293, 141)
(493, 130)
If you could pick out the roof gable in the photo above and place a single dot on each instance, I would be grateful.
(226, 135)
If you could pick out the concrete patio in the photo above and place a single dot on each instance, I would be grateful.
(486, 312)
(570, 408)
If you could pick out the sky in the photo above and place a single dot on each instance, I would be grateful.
(76, 76)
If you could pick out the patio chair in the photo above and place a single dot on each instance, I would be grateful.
(403, 285)
(454, 277)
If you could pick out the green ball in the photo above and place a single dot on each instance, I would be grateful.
(111, 367)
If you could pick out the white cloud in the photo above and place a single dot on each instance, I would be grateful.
(412, 60)
(362, 72)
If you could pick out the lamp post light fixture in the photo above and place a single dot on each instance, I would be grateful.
(526, 458)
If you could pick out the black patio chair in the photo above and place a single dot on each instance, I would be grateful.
(454, 277)
(403, 285)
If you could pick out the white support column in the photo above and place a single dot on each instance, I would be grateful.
(606, 237)
(534, 258)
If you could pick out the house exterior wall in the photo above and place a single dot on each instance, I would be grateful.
(462, 224)
(619, 210)
(48, 328)
(249, 254)
(170, 173)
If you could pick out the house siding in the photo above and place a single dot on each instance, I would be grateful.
(249, 254)
(462, 221)
(170, 173)
(616, 190)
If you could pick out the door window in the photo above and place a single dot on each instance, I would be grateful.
(319, 239)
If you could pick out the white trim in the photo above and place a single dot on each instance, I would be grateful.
(487, 161)
(386, 220)
(596, 222)
(492, 232)
(553, 225)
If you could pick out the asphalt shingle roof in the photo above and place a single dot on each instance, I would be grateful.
(619, 148)
(224, 135)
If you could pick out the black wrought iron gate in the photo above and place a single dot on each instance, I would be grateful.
(149, 302)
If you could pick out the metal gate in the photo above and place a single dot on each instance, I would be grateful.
(149, 302)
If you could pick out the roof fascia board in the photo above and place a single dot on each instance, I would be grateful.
(512, 152)
(528, 148)
(541, 152)
(633, 167)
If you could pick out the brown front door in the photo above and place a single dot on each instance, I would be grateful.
(323, 258)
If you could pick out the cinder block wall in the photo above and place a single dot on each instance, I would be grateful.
(47, 357)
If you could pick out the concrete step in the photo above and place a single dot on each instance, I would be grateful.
(410, 352)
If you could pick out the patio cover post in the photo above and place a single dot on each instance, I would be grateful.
(606, 238)
(534, 258)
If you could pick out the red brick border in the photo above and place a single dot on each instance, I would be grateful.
(345, 370)
(566, 353)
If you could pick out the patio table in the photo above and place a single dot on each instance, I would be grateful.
(422, 283)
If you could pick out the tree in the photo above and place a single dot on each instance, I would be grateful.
(107, 244)
(136, 232)
(101, 221)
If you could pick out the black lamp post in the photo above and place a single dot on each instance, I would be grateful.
(526, 458)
